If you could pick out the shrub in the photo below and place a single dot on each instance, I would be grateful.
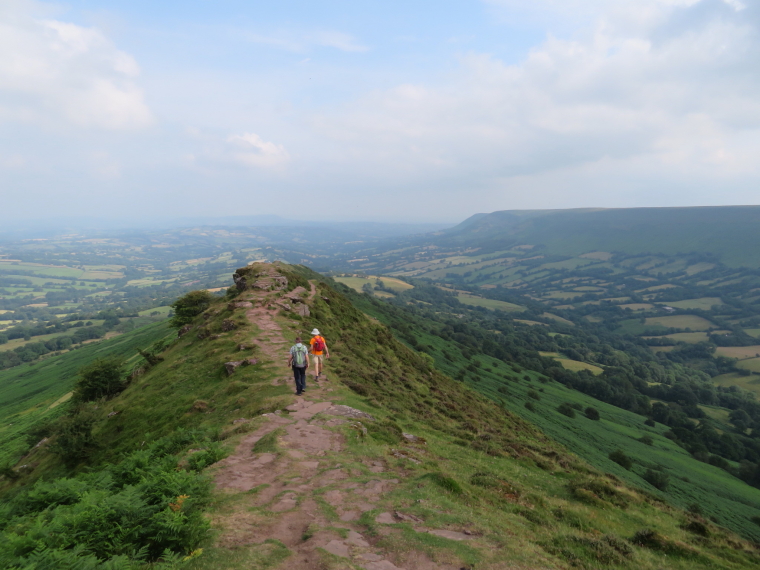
(202, 459)
(99, 379)
(649, 422)
(530, 406)
(533, 394)
(385, 431)
(652, 540)
(566, 409)
(445, 482)
(592, 413)
(74, 440)
(646, 440)
(657, 479)
(621, 459)
(189, 306)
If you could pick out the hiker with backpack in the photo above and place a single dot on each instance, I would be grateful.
(299, 361)
(318, 349)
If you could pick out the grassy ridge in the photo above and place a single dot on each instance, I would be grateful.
(27, 392)
(728, 233)
(527, 501)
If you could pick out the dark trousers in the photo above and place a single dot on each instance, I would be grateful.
(300, 376)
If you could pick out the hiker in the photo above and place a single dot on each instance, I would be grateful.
(318, 346)
(299, 360)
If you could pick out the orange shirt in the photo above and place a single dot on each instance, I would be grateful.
(312, 341)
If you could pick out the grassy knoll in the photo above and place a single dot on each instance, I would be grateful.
(28, 392)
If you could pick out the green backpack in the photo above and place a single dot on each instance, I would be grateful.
(299, 355)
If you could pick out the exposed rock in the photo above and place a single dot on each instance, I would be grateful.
(239, 305)
(214, 336)
(240, 421)
(271, 282)
(240, 281)
(184, 330)
(407, 518)
(296, 295)
(112, 414)
(203, 333)
(385, 518)
(283, 305)
(413, 438)
(326, 300)
(347, 411)
(244, 346)
(234, 364)
(303, 310)
(200, 406)
(43, 441)
(228, 325)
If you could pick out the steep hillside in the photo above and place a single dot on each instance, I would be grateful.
(726, 233)
(387, 463)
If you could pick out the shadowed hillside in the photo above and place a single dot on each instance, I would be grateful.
(727, 233)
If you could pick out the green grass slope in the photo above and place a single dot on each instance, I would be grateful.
(31, 393)
(525, 500)
(727, 232)
(720, 495)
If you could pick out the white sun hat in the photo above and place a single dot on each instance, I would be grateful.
(315, 332)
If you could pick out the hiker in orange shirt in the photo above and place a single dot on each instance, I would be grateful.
(318, 346)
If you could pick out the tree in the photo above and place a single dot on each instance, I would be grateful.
(619, 457)
(189, 306)
(99, 379)
(592, 413)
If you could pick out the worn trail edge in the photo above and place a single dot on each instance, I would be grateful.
(297, 491)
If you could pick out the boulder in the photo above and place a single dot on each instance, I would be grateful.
(303, 310)
(231, 366)
(184, 330)
(240, 281)
(228, 325)
(239, 305)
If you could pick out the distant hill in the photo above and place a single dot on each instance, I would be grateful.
(728, 234)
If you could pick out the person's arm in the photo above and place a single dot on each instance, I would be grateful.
(327, 351)
(307, 360)
(290, 359)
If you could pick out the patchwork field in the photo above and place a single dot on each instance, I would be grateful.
(692, 322)
(357, 282)
(740, 352)
(488, 303)
(705, 303)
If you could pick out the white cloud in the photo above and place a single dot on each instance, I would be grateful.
(678, 100)
(307, 41)
(53, 71)
(250, 149)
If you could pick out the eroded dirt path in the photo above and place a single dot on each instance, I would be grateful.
(297, 490)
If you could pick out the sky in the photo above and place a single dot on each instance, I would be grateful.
(375, 110)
